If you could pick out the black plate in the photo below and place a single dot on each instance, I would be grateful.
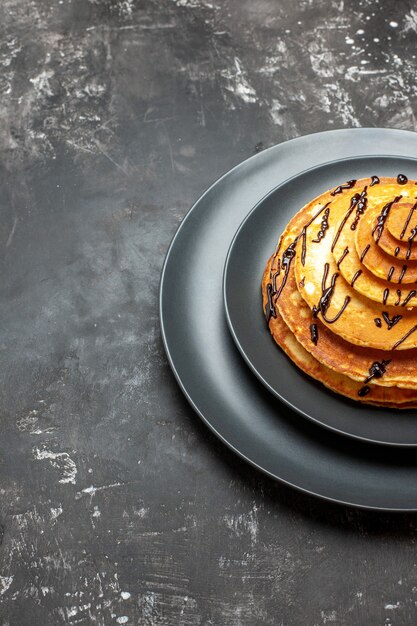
(253, 244)
(210, 369)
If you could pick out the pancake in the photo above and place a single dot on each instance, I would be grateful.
(365, 282)
(379, 263)
(347, 313)
(382, 396)
(401, 222)
(332, 351)
(356, 345)
(396, 248)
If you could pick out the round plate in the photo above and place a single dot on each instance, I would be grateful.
(209, 368)
(253, 244)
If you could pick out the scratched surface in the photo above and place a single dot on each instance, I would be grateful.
(117, 505)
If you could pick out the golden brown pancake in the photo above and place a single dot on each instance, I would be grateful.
(380, 264)
(402, 221)
(357, 324)
(333, 351)
(396, 248)
(384, 396)
(346, 320)
(363, 281)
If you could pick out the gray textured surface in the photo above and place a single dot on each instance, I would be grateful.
(117, 506)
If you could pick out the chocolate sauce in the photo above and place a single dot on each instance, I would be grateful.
(390, 273)
(399, 297)
(400, 341)
(402, 179)
(353, 203)
(314, 332)
(377, 370)
(375, 181)
(413, 234)
(382, 218)
(378, 322)
(397, 249)
(391, 322)
(407, 221)
(403, 271)
(323, 227)
(326, 292)
(302, 281)
(385, 297)
(412, 293)
(363, 391)
(345, 252)
(365, 250)
(341, 188)
(286, 261)
(326, 296)
(355, 277)
(270, 308)
(360, 209)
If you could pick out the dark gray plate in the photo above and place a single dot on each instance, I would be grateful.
(253, 244)
(210, 369)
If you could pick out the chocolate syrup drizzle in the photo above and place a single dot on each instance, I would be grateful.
(378, 322)
(269, 309)
(360, 209)
(353, 203)
(406, 336)
(287, 257)
(375, 181)
(323, 227)
(391, 322)
(390, 273)
(326, 296)
(385, 296)
(340, 189)
(399, 297)
(355, 277)
(382, 218)
(345, 253)
(397, 249)
(377, 370)
(402, 179)
(364, 252)
(412, 293)
(314, 332)
(410, 241)
(403, 271)
(407, 221)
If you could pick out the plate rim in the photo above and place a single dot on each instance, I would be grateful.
(239, 346)
(207, 422)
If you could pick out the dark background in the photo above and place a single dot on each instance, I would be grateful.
(117, 506)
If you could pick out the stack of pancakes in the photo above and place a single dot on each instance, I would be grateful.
(340, 292)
